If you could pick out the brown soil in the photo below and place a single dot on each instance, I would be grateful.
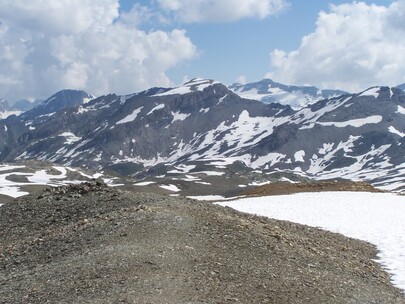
(93, 244)
(281, 188)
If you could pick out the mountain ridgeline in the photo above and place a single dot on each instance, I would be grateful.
(355, 136)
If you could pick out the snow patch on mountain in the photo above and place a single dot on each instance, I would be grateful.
(327, 147)
(360, 167)
(374, 91)
(401, 110)
(354, 122)
(70, 138)
(246, 131)
(317, 164)
(308, 116)
(395, 131)
(170, 187)
(158, 107)
(271, 159)
(131, 117)
(299, 156)
(177, 116)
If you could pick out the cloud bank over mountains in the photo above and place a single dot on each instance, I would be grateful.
(82, 44)
(353, 47)
(50, 45)
(221, 11)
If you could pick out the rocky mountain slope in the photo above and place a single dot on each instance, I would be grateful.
(93, 244)
(203, 124)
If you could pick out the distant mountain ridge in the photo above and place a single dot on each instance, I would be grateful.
(269, 91)
(25, 105)
(17, 108)
(356, 136)
(6, 110)
(60, 100)
(401, 86)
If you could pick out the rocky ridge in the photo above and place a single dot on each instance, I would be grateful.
(357, 136)
(90, 243)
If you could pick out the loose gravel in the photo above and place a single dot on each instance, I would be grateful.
(90, 243)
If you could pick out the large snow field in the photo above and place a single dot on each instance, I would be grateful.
(378, 218)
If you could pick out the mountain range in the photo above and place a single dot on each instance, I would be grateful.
(203, 123)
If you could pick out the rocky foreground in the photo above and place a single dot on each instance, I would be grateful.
(93, 244)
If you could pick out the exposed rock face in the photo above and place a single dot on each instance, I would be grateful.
(355, 136)
(92, 244)
(59, 101)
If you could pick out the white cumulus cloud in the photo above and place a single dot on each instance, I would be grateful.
(48, 45)
(221, 10)
(354, 46)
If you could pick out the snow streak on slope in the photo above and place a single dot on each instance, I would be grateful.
(375, 92)
(177, 116)
(130, 117)
(354, 122)
(245, 132)
(193, 85)
(70, 138)
(392, 130)
(158, 107)
(378, 218)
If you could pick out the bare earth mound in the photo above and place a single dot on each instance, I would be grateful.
(93, 244)
(281, 188)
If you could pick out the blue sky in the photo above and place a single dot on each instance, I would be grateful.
(232, 49)
(125, 46)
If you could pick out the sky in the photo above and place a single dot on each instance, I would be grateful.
(126, 46)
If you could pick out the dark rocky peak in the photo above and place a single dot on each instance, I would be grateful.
(61, 100)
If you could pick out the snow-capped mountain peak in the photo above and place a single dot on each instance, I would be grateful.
(296, 97)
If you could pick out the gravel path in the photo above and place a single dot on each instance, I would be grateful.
(93, 244)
